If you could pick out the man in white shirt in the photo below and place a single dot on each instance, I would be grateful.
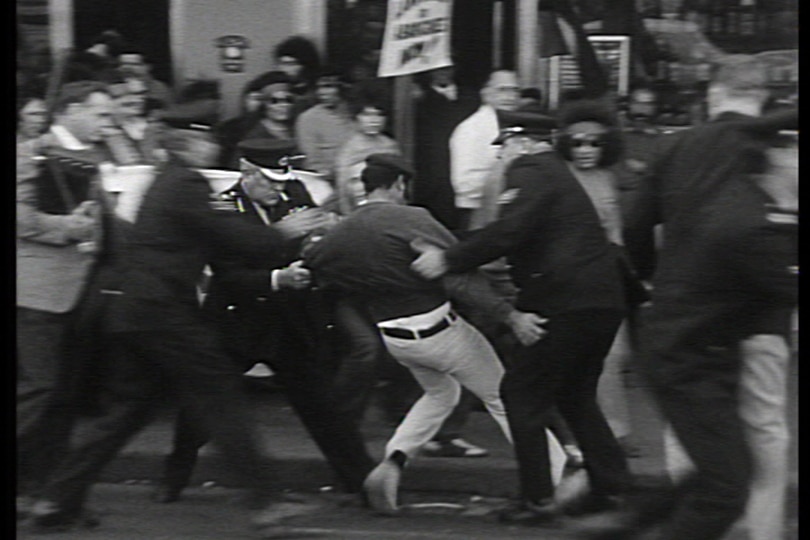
(473, 158)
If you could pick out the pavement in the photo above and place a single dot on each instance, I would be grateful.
(449, 487)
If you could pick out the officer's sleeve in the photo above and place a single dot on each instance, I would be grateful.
(221, 226)
(531, 198)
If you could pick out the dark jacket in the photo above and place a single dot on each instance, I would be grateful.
(550, 233)
(726, 264)
(257, 320)
(181, 226)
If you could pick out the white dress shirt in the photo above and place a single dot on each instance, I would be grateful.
(472, 156)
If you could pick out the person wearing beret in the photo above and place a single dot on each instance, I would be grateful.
(158, 340)
(566, 272)
(268, 315)
(367, 255)
(323, 128)
(59, 231)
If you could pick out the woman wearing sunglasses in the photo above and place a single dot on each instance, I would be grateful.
(591, 143)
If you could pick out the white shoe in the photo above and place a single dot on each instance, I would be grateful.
(381, 487)
(453, 448)
(259, 371)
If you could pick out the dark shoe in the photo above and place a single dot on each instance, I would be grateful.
(453, 448)
(166, 494)
(529, 513)
(47, 516)
(594, 503)
(381, 487)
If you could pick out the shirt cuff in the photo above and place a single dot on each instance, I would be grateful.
(274, 280)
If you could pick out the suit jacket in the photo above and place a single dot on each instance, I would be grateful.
(51, 270)
(550, 233)
(181, 226)
(436, 118)
(258, 321)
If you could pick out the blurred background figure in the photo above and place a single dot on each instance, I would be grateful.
(590, 142)
(274, 118)
(370, 114)
(322, 129)
(99, 61)
(441, 106)
(133, 66)
(32, 115)
(298, 57)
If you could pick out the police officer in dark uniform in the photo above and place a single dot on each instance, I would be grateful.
(160, 339)
(727, 260)
(268, 314)
(565, 271)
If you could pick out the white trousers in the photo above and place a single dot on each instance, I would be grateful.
(442, 363)
(763, 404)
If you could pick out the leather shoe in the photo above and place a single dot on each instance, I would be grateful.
(381, 487)
(164, 493)
(529, 513)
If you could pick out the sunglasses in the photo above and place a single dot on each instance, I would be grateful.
(275, 100)
(595, 143)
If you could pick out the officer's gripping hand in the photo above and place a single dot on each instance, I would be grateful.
(294, 277)
(300, 224)
(431, 263)
(527, 327)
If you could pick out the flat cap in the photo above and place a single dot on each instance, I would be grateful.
(394, 162)
(523, 123)
(269, 153)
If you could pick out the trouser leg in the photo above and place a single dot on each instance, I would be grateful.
(611, 392)
(212, 393)
(763, 402)
(131, 389)
(423, 420)
(703, 412)
(357, 371)
(335, 433)
(577, 402)
(189, 437)
(563, 362)
(44, 415)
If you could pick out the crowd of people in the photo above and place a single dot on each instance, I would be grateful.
(517, 262)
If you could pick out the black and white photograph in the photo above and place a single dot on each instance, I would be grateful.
(407, 269)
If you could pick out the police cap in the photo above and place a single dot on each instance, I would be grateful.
(267, 153)
(527, 123)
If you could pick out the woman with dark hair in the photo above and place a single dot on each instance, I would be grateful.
(590, 142)
(298, 57)
(370, 114)
(233, 130)
(274, 116)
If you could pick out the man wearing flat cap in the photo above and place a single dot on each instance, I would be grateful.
(156, 337)
(368, 256)
(566, 272)
(321, 129)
